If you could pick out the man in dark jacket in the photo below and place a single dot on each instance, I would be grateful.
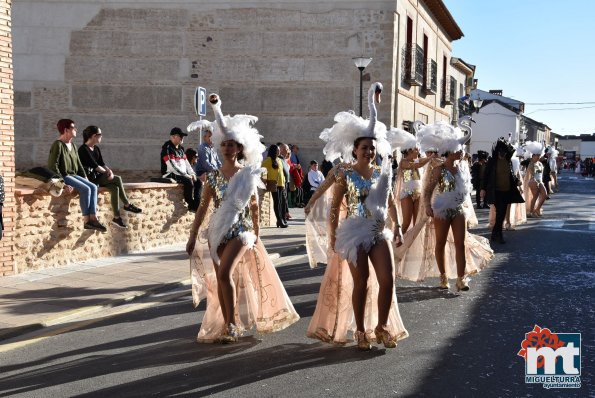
(500, 186)
(174, 164)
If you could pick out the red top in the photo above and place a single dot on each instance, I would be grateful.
(296, 173)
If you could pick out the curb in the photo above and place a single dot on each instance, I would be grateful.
(16, 331)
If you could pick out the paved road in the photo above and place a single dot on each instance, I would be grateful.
(460, 345)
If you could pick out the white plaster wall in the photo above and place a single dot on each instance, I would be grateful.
(587, 149)
(492, 122)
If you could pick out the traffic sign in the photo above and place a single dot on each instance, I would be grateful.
(200, 101)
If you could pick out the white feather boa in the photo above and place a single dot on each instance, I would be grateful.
(451, 200)
(360, 232)
(237, 196)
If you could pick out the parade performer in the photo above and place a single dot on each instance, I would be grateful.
(447, 200)
(534, 179)
(416, 258)
(232, 269)
(359, 242)
(408, 183)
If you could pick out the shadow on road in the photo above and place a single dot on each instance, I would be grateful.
(230, 372)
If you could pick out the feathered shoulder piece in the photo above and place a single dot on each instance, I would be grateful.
(237, 196)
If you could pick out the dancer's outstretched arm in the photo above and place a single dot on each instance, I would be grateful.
(429, 189)
(338, 194)
(255, 210)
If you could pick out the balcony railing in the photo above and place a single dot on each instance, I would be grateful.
(413, 64)
(431, 80)
(449, 87)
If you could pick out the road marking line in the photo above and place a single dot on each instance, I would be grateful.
(114, 311)
(581, 231)
(553, 223)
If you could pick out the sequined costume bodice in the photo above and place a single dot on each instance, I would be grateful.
(447, 181)
(446, 184)
(410, 174)
(538, 171)
(411, 185)
(358, 189)
(219, 183)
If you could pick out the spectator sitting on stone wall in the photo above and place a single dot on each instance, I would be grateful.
(174, 164)
(101, 175)
(64, 160)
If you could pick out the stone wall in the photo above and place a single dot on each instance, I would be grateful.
(7, 158)
(49, 231)
(133, 71)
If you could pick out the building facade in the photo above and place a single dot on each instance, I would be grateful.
(132, 68)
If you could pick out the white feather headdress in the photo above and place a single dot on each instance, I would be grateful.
(348, 127)
(534, 147)
(443, 137)
(237, 128)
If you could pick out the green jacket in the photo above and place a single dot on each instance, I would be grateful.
(65, 162)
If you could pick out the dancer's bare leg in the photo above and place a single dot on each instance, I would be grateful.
(441, 227)
(230, 254)
(415, 210)
(542, 196)
(381, 257)
(459, 231)
(360, 273)
(534, 193)
(407, 207)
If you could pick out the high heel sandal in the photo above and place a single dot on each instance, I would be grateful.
(322, 335)
(281, 225)
(229, 335)
(444, 282)
(362, 341)
(384, 337)
(462, 284)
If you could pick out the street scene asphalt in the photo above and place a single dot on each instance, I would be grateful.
(460, 345)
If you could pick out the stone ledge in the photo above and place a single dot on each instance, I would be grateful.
(49, 230)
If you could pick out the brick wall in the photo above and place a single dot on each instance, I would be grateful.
(7, 163)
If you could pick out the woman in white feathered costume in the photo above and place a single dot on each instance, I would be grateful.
(359, 242)
(446, 191)
(235, 273)
(416, 258)
(409, 180)
(536, 194)
(552, 160)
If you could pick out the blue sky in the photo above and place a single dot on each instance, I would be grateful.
(536, 51)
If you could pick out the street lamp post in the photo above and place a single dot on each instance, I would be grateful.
(361, 63)
(477, 104)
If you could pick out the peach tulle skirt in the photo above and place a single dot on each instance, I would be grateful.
(333, 320)
(415, 259)
(261, 299)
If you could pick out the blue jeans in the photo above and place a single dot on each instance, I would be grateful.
(87, 193)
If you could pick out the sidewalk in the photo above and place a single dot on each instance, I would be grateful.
(38, 299)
